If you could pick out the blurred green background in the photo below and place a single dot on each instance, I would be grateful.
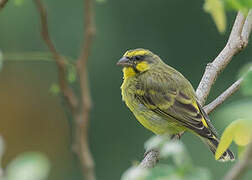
(32, 119)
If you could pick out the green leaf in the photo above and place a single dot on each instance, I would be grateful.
(135, 173)
(239, 5)
(54, 89)
(225, 141)
(242, 132)
(71, 73)
(239, 131)
(28, 166)
(216, 9)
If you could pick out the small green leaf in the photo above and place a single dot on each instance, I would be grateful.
(239, 5)
(71, 76)
(135, 173)
(242, 132)
(239, 131)
(225, 141)
(216, 9)
(28, 166)
(54, 89)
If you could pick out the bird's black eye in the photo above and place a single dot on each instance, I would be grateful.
(138, 58)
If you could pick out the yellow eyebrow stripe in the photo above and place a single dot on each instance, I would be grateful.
(139, 52)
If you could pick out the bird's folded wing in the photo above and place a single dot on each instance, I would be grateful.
(171, 100)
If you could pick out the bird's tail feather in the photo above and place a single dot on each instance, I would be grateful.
(213, 143)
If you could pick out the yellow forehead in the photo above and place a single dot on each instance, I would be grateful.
(136, 52)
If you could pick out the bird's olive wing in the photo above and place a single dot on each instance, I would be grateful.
(172, 98)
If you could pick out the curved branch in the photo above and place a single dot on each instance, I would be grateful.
(237, 41)
(67, 91)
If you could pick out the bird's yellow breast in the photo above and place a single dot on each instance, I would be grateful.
(145, 116)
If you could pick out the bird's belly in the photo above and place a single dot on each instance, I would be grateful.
(148, 118)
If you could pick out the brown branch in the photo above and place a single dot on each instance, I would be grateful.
(66, 90)
(82, 121)
(81, 116)
(3, 3)
(221, 98)
(236, 172)
(237, 41)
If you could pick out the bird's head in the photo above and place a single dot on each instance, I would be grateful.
(137, 61)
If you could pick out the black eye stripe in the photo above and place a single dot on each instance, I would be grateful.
(137, 58)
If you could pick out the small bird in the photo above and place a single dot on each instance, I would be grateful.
(163, 100)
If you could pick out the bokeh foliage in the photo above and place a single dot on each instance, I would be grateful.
(187, 41)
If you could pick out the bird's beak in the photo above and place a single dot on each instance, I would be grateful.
(124, 61)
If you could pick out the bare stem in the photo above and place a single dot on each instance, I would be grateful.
(83, 121)
(80, 110)
(221, 98)
(67, 91)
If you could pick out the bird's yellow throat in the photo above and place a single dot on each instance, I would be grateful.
(129, 71)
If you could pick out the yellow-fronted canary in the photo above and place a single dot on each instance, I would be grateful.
(163, 100)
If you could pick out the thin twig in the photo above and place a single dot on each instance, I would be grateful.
(236, 42)
(67, 91)
(236, 172)
(3, 3)
(81, 116)
(221, 98)
(82, 121)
